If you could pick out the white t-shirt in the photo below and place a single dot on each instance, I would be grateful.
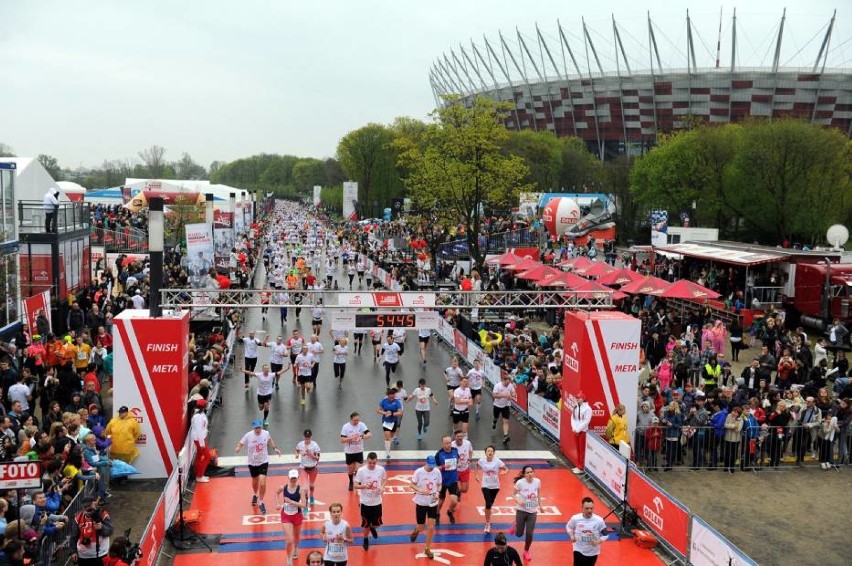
(398, 335)
(375, 479)
(465, 454)
(340, 353)
(490, 472)
(528, 492)
(460, 395)
(304, 362)
(250, 345)
(316, 349)
(424, 333)
(401, 396)
(295, 344)
(335, 546)
(429, 481)
(353, 446)
(277, 353)
(317, 312)
(475, 376)
(422, 397)
(453, 376)
(391, 352)
(584, 532)
(501, 389)
(265, 382)
(308, 453)
(257, 447)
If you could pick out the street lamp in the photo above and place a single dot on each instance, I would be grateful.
(155, 252)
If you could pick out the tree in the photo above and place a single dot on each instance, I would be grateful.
(615, 181)
(214, 167)
(6, 150)
(154, 161)
(542, 153)
(459, 167)
(308, 172)
(366, 157)
(187, 168)
(580, 169)
(51, 165)
(334, 174)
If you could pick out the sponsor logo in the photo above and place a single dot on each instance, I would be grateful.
(419, 300)
(356, 300)
(137, 414)
(387, 299)
(598, 409)
(653, 515)
(572, 364)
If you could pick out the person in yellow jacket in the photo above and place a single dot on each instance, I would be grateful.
(490, 340)
(616, 428)
(124, 430)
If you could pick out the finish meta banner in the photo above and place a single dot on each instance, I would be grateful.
(151, 375)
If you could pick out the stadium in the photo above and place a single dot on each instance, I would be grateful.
(613, 89)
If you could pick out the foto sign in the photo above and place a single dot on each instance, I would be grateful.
(20, 475)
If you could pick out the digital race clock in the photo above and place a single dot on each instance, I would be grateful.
(385, 320)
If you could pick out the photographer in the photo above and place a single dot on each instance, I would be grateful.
(44, 520)
(122, 553)
(90, 532)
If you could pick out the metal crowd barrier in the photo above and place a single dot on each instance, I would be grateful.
(56, 549)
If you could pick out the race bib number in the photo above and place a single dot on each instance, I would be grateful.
(450, 464)
(387, 426)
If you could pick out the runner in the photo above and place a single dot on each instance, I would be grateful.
(489, 468)
(304, 364)
(341, 350)
(336, 533)
(400, 396)
(291, 501)
(426, 483)
(308, 453)
(295, 343)
(277, 358)
(350, 271)
(461, 405)
(399, 339)
(250, 353)
(391, 353)
(421, 407)
(358, 336)
(586, 530)
(265, 299)
(501, 554)
(474, 376)
(352, 436)
(423, 336)
(360, 267)
(447, 459)
(390, 408)
(370, 482)
(282, 298)
(465, 449)
(316, 350)
(528, 504)
(453, 375)
(265, 383)
(376, 339)
(257, 442)
(317, 312)
(503, 394)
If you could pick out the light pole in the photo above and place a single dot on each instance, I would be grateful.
(155, 252)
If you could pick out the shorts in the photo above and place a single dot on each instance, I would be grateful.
(311, 471)
(294, 520)
(474, 393)
(316, 322)
(376, 342)
(423, 512)
(305, 379)
(461, 416)
(275, 368)
(356, 458)
(464, 476)
(423, 339)
(504, 412)
(490, 496)
(261, 470)
(371, 516)
(261, 399)
(452, 387)
(452, 489)
(394, 429)
(293, 359)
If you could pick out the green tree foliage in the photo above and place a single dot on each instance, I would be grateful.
(187, 168)
(369, 157)
(332, 198)
(629, 215)
(51, 165)
(6, 150)
(307, 173)
(459, 167)
(286, 176)
(580, 168)
(334, 174)
(542, 153)
(154, 159)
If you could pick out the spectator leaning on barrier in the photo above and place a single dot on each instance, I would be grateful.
(124, 431)
(90, 532)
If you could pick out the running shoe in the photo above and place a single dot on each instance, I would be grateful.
(311, 501)
(451, 517)
(266, 424)
(413, 536)
(296, 552)
(254, 500)
(487, 528)
(477, 416)
(262, 508)
(527, 555)
(374, 532)
(303, 401)
(429, 554)
(506, 439)
(419, 436)
(396, 441)
(202, 479)
(493, 425)
(366, 543)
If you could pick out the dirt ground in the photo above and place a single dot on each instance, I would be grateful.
(132, 505)
(798, 516)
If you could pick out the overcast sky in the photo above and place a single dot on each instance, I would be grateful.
(89, 80)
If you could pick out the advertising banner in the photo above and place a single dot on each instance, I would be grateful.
(34, 306)
(151, 377)
(460, 344)
(606, 466)
(386, 299)
(98, 255)
(492, 371)
(523, 402)
(659, 227)
(545, 414)
(528, 205)
(36, 272)
(710, 548)
(660, 511)
(602, 360)
(223, 236)
(152, 539)
(199, 251)
(317, 192)
(350, 200)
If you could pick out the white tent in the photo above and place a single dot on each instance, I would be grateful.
(32, 180)
(74, 191)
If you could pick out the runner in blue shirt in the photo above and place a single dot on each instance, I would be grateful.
(390, 408)
(447, 459)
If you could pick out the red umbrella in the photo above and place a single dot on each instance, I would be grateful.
(594, 286)
(645, 285)
(622, 276)
(523, 265)
(564, 279)
(505, 259)
(685, 289)
(596, 269)
(575, 262)
(538, 272)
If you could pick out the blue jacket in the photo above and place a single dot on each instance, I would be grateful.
(717, 421)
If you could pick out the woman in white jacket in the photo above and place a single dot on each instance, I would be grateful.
(828, 429)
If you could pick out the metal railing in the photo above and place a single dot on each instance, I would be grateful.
(763, 448)
(768, 297)
(126, 240)
(496, 243)
(57, 547)
(70, 216)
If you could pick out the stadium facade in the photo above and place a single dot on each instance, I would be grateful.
(561, 84)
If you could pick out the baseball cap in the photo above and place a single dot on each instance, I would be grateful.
(293, 474)
(430, 460)
(123, 409)
(256, 423)
(201, 403)
(307, 432)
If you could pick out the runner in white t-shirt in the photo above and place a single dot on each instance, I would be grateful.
(475, 376)
(489, 468)
(391, 353)
(426, 483)
(304, 368)
(421, 406)
(340, 351)
(370, 482)
(503, 394)
(352, 436)
(308, 453)
(453, 375)
(527, 495)
(278, 354)
(265, 382)
(465, 450)
(336, 534)
(462, 399)
(257, 443)
(586, 530)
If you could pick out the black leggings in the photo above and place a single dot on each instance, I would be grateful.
(490, 495)
(250, 364)
(422, 420)
(583, 560)
(339, 370)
